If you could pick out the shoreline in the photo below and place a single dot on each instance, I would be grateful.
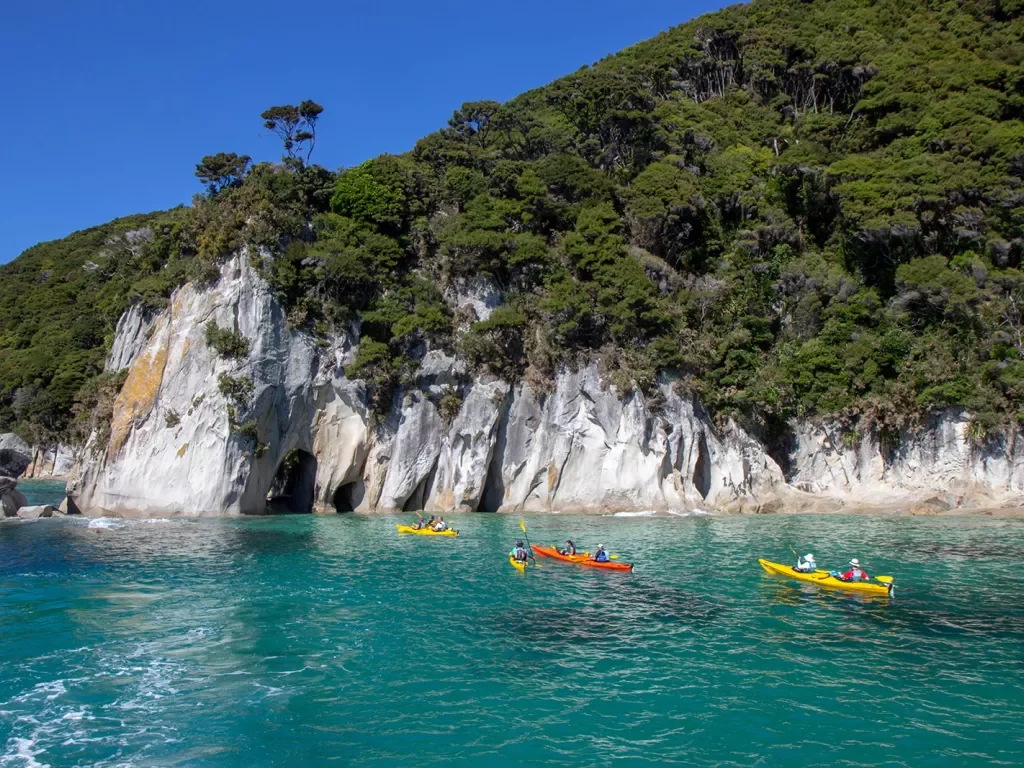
(863, 510)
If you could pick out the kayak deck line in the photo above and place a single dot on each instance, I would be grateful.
(583, 560)
(425, 531)
(824, 579)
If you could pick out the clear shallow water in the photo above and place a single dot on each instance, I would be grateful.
(330, 640)
(42, 491)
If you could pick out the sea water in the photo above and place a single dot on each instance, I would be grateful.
(307, 641)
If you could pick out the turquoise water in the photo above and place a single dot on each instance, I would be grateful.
(305, 641)
(42, 491)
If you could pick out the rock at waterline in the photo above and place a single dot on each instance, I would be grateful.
(32, 513)
(11, 499)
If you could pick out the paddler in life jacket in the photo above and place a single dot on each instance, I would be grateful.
(570, 548)
(856, 573)
(600, 556)
(440, 525)
(519, 552)
(806, 564)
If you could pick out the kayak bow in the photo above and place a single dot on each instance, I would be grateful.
(583, 560)
(823, 579)
(425, 531)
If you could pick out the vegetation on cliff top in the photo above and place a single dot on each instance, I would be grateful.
(799, 208)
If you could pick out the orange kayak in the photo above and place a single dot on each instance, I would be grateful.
(580, 559)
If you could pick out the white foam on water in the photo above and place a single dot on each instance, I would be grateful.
(107, 523)
(640, 513)
(22, 751)
(52, 690)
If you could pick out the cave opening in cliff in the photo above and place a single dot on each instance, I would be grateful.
(294, 484)
(346, 497)
(702, 470)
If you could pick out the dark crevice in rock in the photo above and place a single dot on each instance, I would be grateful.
(702, 469)
(418, 499)
(493, 495)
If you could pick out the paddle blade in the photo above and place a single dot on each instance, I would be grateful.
(522, 525)
(613, 557)
(884, 579)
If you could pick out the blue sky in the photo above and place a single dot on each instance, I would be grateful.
(109, 105)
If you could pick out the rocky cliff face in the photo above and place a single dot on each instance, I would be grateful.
(938, 461)
(307, 438)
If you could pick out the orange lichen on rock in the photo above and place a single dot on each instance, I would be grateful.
(181, 451)
(553, 474)
(136, 398)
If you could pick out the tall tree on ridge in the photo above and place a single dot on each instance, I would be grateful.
(296, 126)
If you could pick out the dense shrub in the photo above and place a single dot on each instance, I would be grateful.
(228, 343)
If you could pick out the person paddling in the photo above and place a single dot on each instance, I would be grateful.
(806, 564)
(519, 552)
(570, 548)
(440, 526)
(600, 556)
(856, 573)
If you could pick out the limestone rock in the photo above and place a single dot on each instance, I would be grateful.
(131, 335)
(33, 513)
(52, 462)
(578, 445)
(477, 294)
(15, 455)
(587, 447)
(10, 441)
(204, 465)
(936, 456)
(11, 499)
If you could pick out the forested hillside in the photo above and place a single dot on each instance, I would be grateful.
(797, 208)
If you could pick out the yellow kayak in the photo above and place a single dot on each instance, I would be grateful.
(823, 579)
(517, 564)
(425, 531)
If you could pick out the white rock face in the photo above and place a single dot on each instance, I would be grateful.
(479, 294)
(587, 448)
(131, 336)
(172, 448)
(55, 462)
(200, 465)
(938, 456)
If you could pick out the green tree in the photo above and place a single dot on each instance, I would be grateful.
(225, 169)
(296, 127)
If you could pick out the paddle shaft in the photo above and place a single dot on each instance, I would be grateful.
(529, 547)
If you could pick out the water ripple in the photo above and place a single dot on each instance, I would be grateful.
(308, 641)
